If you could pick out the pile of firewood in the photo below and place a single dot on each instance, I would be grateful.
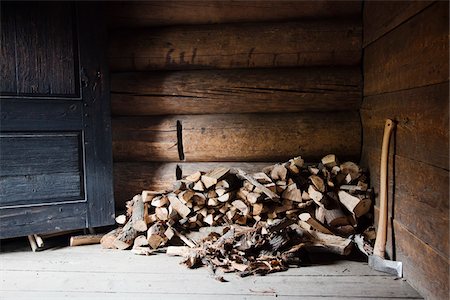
(256, 223)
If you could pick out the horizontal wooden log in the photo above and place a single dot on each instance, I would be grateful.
(270, 137)
(419, 193)
(132, 178)
(381, 17)
(425, 269)
(236, 91)
(414, 54)
(145, 139)
(163, 13)
(237, 137)
(248, 45)
(422, 116)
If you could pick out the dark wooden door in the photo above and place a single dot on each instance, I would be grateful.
(55, 134)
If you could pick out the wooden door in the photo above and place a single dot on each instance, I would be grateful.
(55, 133)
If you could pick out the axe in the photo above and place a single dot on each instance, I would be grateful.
(377, 260)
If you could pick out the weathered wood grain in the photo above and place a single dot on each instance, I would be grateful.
(270, 137)
(40, 189)
(422, 264)
(414, 54)
(164, 13)
(42, 219)
(132, 178)
(424, 268)
(43, 65)
(381, 17)
(419, 193)
(39, 153)
(422, 116)
(247, 45)
(236, 91)
(176, 286)
(145, 139)
(8, 74)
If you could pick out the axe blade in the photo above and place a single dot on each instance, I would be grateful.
(386, 266)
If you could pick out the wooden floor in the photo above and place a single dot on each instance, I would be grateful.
(89, 272)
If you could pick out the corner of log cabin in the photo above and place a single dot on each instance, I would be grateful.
(197, 84)
(406, 79)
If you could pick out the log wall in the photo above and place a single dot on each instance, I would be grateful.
(406, 79)
(242, 83)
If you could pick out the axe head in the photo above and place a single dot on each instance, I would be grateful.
(387, 266)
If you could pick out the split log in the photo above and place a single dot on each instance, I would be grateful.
(318, 183)
(329, 243)
(329, 160)
(279, 172)
(354, 204)
(350, 168)
(107, 241)
(194, 177)
(292, 193)
(178, 206)
(253, 181)
(214, 176)
(137, 218)
(333, 217)
(121, 219)
(306, 217)
(90, 239)
(140, 241)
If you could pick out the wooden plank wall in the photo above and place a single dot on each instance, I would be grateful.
(406, 79)
(243, 83)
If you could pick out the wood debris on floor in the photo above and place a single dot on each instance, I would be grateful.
(257, 223)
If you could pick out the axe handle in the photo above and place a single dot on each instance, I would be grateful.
(380, 242)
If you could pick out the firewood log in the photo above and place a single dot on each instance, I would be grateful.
(313, 170)
(315, 195)
(89, 239)
(351, 169)
(194, 177)
(121, 219)
(107, 241)
(321, 242)
(241, 206)
(225, 197)
(148, 196)
(253, 197)
(140, 241)
(329, 160)
(199, 186)
(262, 178)
(137, 218)
(269, 193)
(292, 193)
(318, 183)
(306, 217)
(162, 213)
(278, 172)
(159, 201)
(178, 206)
(333, 217)
(354, 204)
(211, 178)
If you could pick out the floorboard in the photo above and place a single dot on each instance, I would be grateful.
(89, 272)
